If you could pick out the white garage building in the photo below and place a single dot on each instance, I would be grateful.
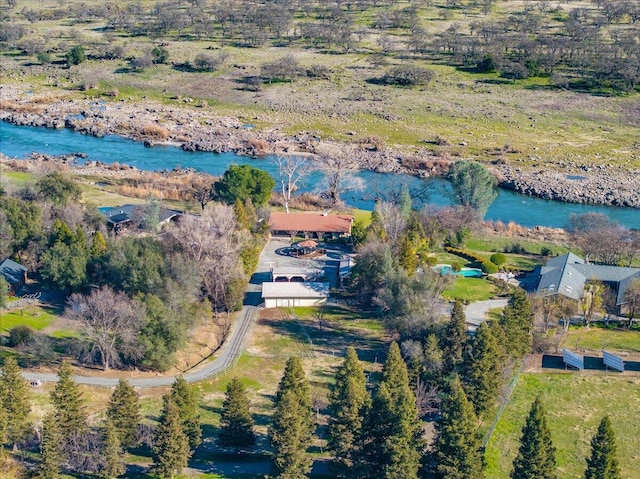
(284, 294)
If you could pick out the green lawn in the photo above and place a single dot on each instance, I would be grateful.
(575, 404)
(596, 339)
(33, 316)
(470, 289)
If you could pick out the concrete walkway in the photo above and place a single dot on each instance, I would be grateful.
(476, 313)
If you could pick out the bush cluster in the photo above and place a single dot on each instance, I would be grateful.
(485, 265)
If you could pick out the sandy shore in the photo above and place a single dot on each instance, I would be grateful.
(199, 129)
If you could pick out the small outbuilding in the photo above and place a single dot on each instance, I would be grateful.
(289, 294)
(15, 274)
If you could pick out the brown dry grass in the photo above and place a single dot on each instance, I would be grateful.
(155, 131)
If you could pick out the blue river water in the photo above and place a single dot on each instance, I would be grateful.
(21, 141)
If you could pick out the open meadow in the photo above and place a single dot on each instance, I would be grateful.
(353, 74)
(575, 404)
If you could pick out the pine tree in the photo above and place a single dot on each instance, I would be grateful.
(293, 423)
(517, 323)
(171, 445)
(408, 256)
(347, 402)
(484, 371)
(14, 397)
(184, 398)
(536, 456)
(69, 407)
(454, 340)
(50, 448)
(603, 463)
(112, 453)
(3, 424)
(391, 439)
(98, 245)
(123, 412)
(456, 451)
(236, 423)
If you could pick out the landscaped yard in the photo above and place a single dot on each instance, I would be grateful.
(35, 317)
(470, 289)
(575, 404)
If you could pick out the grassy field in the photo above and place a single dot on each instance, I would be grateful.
(575, 404)
(35, 317)
(470, 289)
(596, 339)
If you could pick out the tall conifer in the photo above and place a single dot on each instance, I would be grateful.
(184, 398)
(536, 456)
(391, 443)
(112, 453)
(123, 412)
(348, 400)
(456, 451)
(14, 397)
(236, 423)
(483, 370)
(517, 324)
(171, 445)
(454, 340)
(603, 463)
(293, 423)
(69, 406)
(50, 449)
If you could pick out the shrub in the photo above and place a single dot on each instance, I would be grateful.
(76, 55)
(160, 55)
(487, 64)
(156, 131)
(19, 335)
(408, 75)
(456, 266)
(488, 267)
(44, 58)
(498, 259)
(546, 251)
(209, 63)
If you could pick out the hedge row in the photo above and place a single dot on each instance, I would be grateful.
(485, 265)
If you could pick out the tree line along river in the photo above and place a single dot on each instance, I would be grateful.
(21, 141)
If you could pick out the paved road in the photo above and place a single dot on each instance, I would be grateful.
(476, 313)
(225, 360)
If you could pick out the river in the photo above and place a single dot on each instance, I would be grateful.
(21, 141)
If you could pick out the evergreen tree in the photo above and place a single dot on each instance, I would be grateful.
(603, 463)
(98, 245)
(50, 449)
(184, 398)
(391, 440)
(171, 445)
(408, 255)
(123, 412)
(456, 451)
(536, 456)
(236, 423)
(348, 400)
(69, 407)
(15, 401)
(293, 423)
(112, 453)
(3, 426)
(484, 371)
(517, 323)
(454, 340)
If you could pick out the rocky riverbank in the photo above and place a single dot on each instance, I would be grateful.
(199, 129)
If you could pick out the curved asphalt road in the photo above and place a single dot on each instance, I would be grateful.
(226, 359)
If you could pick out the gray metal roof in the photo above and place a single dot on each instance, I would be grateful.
(568, 273)
(124, 213)
(13, 272)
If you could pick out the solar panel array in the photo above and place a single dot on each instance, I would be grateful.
(612, 361)
(572, 359)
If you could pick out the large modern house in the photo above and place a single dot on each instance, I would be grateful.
(567, 275)
(120, 216)
(310, 225)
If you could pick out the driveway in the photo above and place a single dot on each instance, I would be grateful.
(476, 313)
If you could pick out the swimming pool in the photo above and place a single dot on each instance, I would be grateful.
(466, 272)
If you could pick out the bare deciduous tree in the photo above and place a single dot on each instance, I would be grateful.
(632, 297)
(292, 170)
(111, 324)
(393, 220)
(339, 168)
